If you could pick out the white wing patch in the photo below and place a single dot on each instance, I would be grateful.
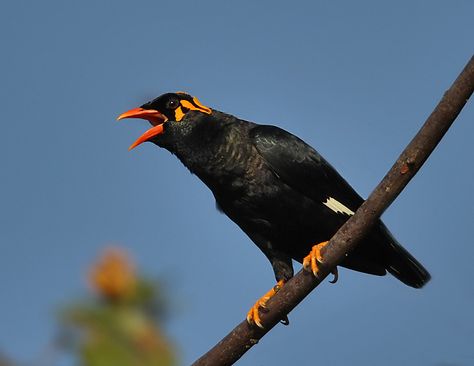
(337, 206)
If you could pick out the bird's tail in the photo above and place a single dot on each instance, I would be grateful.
(403, 265)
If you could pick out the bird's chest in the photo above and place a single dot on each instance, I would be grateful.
(228, 165)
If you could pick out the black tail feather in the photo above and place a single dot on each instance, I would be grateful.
(403, 265)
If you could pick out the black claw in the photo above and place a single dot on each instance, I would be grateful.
(336, 276)
(285, 320)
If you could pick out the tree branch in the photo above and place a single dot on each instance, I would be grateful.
(244, 336)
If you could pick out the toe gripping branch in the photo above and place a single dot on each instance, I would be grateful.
(253, 316)
(310, 262)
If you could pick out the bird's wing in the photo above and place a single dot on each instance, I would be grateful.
(301, 167)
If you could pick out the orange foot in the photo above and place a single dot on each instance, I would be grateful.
(310, 262)
(253, 315)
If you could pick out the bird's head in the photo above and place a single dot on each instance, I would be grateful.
(167, 108)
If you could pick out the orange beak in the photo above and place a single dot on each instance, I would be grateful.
(156, 119)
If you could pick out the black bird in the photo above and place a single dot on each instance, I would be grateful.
(274, 186)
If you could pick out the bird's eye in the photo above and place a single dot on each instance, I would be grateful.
(172, 104)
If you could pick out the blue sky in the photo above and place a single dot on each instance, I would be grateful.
(354, 79)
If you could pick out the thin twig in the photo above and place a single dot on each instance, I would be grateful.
(244, 336)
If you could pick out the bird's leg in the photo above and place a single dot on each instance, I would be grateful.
(310, 262)
(253, 315)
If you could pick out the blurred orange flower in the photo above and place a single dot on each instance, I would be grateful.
(113, 276)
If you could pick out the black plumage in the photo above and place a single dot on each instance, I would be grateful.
(275, 187)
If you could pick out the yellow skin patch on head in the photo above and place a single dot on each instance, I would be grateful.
(187, 104)
(203, 108)
(195, 105)
(179, 114)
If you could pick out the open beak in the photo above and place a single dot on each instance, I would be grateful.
(156, 119)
